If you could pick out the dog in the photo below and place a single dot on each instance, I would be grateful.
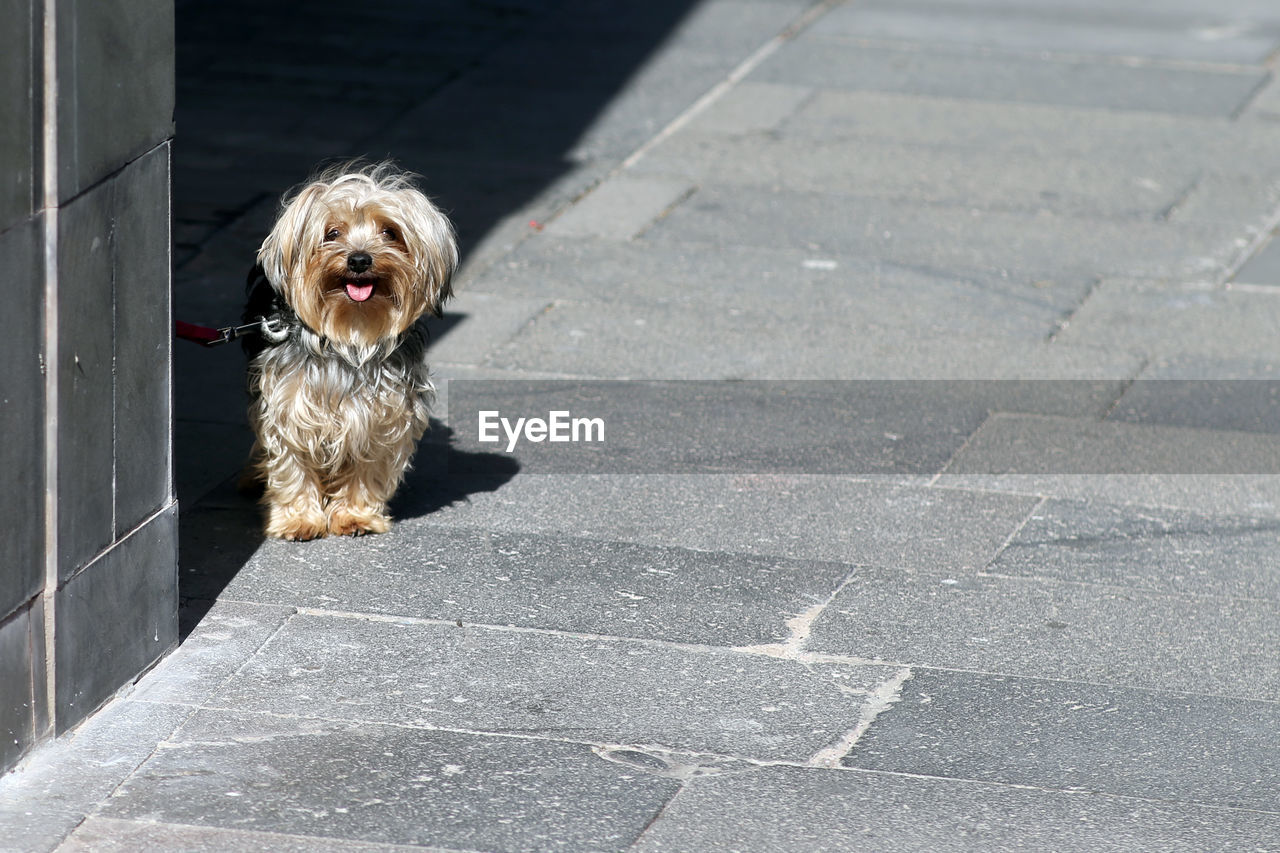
(338, 381)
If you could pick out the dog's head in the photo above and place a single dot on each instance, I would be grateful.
(360, 254)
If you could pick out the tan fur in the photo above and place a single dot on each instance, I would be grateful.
(340, 404)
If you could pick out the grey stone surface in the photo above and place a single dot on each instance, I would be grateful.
(227, 635)
(953, 238)
(621, 208)
(22, 420)
(1263, 268)
(927, 174)
(1016, 444)
(85, 377)
(751, 108)
(107, 835)
(792, 284)
(818, 517)
(17, 674)
(62, 781)
(1058, 29)
(474, 324)
(1171, 320)
(116, 617)
(143, 332)
(725, 342)
(787, 808)
(1055, 629)
(389, 784)
(1249, 402)
(1148, 548)
(1084, 737)
(18, 133)
(550, 685)
(940, 71)
(545, 581)
(102, 123)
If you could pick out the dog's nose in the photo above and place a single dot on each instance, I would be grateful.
(359, 261)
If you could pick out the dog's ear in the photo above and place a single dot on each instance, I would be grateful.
(435, 249)
(300, 225)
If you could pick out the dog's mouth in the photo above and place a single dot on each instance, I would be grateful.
(360, 289)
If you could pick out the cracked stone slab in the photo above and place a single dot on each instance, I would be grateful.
(1185, 748)
(786, 808)
(543, 581)
(1146, 548)
(388, 785)
(1035, 626)
(826, 517)
(549, 685)
(621, 207)
(943, 72)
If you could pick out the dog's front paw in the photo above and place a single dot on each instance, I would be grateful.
(356, 521)
(288, 523)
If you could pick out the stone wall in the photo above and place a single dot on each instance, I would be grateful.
(88, 555)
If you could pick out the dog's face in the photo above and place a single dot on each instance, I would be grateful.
(361, 255)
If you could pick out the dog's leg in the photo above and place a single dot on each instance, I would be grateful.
(293, 498)
(358, 500)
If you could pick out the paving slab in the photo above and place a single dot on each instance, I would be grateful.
(1263, 268)
(580, 688)
(1083, 737)
(1163, 321)
(1232, 404)
(931, 174)
(722, 341)
(621, 208)
(787, 808)
(792, 283)
(1147, 548)
(1055, 629)
(62, 781)
(107, 835)
(826, 517)
(942, 70)
(950, 237)
(389, 784)
(1057, 28)
(544, 581)
(1032, 444)
(228, 634)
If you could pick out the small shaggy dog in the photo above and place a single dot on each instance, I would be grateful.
(338, 377)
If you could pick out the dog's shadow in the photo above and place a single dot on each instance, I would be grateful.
(223, 531)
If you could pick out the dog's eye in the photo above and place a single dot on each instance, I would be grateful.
(331, 235)
(390, 234)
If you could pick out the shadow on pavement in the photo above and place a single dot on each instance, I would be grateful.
(490, 100)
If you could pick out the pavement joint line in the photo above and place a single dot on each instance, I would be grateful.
(885, 696)
(1265, 234)
(1063, 56)
(264, 836)
(1008, 540)
(804, 658)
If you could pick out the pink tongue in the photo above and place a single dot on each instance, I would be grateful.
(359, 292)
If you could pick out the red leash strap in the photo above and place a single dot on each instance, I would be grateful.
(212, 337)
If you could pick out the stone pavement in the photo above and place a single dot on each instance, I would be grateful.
(1008, 616)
